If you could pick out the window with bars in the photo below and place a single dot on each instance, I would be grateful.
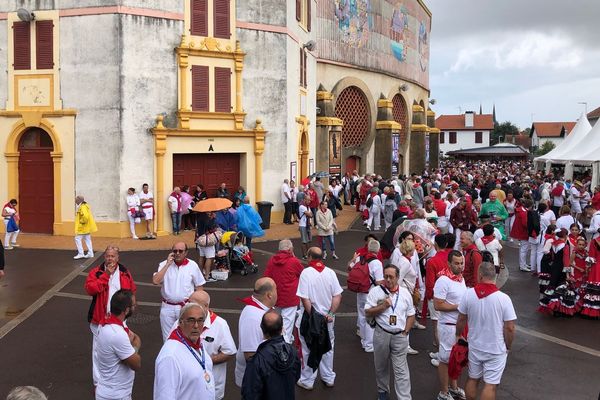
(352, 108)
(478, 137)
(400, 115)
(452, 138)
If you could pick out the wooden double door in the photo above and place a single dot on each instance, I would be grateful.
(209, 170)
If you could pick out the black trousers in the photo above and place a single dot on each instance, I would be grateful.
(287, 214)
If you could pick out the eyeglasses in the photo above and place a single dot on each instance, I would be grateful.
(178, 251)
(194, 322)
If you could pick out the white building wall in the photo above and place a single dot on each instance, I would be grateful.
(464, 140)
(3, 64)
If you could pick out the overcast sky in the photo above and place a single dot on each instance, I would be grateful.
(537, 57)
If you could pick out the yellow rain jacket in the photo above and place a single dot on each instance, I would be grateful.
(84, 220)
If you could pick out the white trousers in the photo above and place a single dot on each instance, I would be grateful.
(308, 376)
(289, 320)
(524, 247)
(95, 373)
(168, 315)
(533, 257)
(374, 218)
(457, 233)
(508, 223)
(9, 237)
(132, 224)
(88, 243)
(366, 332)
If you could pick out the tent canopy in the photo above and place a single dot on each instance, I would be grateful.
(580, 130)
(585, 151)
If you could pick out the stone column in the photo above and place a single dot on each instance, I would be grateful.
(385, 126)
(418, 130)
(434, 140)
(326, 123)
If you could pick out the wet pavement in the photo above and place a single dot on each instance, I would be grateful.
(551, 358)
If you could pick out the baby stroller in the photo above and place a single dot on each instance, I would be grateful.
(238, 257)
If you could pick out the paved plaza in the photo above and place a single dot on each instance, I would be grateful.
(49, 344)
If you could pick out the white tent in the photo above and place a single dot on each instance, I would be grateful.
(584, 152)
(581, 128)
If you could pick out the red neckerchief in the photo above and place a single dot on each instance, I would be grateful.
(184, 262)
(416, 185)
(548, 236)
(449, 274)
(488, 239)
(558, 242)
(316, 264)
(251, 302)
(178, 198)
(174, 336)
(9, 206)
(113, 320)
(213, 316)
(573, 239)
(394, 291)
(485, 289)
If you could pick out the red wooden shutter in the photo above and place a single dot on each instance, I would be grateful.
(199, 88)
(442, 137)
(22, 45)
(308, 14)
(221, 19)
(222, 89)
(298, 10)
(199, 11)
(44, 44)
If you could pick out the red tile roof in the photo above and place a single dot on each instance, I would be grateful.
(594, 114)
(520, 140)
(457, 122)
(551, 129)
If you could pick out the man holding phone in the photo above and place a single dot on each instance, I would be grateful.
(179, 277)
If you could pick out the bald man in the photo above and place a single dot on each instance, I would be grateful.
(250, 335)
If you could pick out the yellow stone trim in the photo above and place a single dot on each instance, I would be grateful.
(67, 112)
(430, 113)
(384, 103)
(230, 54)
(321, 95)
(206, 115)
(329, 121)
(434, 130)
(418, 128)
(388, 125)
(417, 108)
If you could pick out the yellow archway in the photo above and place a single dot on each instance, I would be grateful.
(12, 160)
(303, 149)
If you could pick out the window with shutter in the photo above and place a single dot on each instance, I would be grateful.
(199, 17)
(308, 14)
(304, 62)
(222, 89)
(200, 88)
(298, 10)
(221, 19)
(44, 44)
(452, 137)
(478, 137)
(22, 45)
(442, 137)
(302, 67)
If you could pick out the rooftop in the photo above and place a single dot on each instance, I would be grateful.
(457, 122)
(552, 129)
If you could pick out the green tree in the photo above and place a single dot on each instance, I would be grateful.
(502, 130)
(546, 147)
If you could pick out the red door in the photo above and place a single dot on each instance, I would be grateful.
(353, 163)
(209, 170)
(36, 182)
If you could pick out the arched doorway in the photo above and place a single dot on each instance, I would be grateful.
(303, 156)
(400, 114)
(36, 182)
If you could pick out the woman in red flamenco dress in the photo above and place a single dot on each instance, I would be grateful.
(589, 301)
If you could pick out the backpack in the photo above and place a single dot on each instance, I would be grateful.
(359, 279)
(370, 202)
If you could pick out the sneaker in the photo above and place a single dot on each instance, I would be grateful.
(335, 257)
(433, 356)
(77, 257)
(435, 362)
(304, 386)
(457, 393)
(329, 385)
(15, 245)
(135, 237)
(419, 326)
(8, 247)
(369, 349)
(525, 268)
(444, 396)
(412, 351)
(89, 255)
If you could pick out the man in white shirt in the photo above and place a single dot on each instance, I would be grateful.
(286, 199)
(376, 277)
(147, 201)
(574, 199)
(491, 318)
(179, 277)
(249, 332)
(319, 291)
(304, 226)
(374, 210)
(183, 370)
(391, 307)
(594, 228)
(116, 354)
(447, 294)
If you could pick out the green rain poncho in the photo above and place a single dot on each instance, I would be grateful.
(497, 213)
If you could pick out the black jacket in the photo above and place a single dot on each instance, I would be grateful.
(272, 373)
(313, 329)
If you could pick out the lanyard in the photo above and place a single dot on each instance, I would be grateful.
(202, 353)
(396, 301)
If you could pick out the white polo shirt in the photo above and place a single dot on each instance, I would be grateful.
(144, 197)
(222, 341)
(178, 375)
(250, 336)
(451, 292)
(301, 210)
(115, 378)
(180, 281)
(402, 307)
(319, 288)
(486, 319)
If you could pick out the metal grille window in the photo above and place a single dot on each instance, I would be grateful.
(352, 108)
(400, 115)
